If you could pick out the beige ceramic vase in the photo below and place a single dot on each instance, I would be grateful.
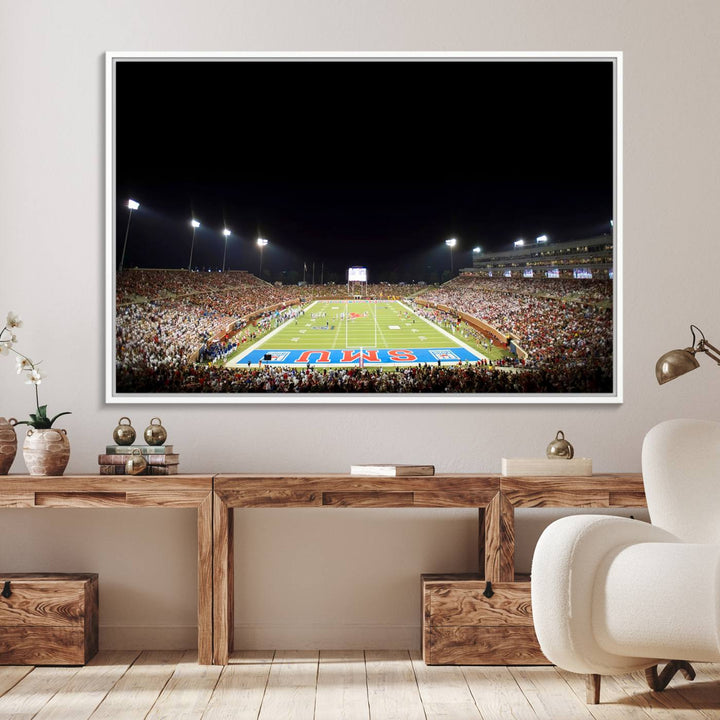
(46, 452)
(8, 444)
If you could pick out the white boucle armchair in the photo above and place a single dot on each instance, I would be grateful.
(613, 595)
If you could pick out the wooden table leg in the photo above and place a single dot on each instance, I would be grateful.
(499, 518)
(223, 581)
(205, 579)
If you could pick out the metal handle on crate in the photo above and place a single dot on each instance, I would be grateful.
(488, 592)
(6, 592)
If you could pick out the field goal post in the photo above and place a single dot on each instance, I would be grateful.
(357, 282)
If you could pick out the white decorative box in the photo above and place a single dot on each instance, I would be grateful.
(546, 466)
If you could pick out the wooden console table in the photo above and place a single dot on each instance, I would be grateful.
(495, 497)
(215, 497)
(125, 491)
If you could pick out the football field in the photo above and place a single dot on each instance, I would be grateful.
(368, 333)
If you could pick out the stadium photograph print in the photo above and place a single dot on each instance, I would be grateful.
(364, 227)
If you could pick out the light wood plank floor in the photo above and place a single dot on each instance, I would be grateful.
(349, 685)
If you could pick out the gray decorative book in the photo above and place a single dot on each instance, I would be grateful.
(144, 449)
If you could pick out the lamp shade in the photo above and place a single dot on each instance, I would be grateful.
(675, 363)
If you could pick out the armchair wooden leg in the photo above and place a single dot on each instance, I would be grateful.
(657, 682)
(592, 689)
(660, 682)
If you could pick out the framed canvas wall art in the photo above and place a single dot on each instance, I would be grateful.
(364, 227)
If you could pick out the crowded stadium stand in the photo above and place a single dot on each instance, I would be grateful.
(464, 378)
(550, 323)
(170, 319)
(175, 328)
(587, 258)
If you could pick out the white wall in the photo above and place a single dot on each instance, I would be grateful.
(320, 577)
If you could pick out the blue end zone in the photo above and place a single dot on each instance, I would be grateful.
(352, 357)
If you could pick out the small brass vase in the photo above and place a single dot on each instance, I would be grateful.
(136, 463)
(155, 433)
(560, 448)
(124, 433)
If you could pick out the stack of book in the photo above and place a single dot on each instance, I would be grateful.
(160, 459)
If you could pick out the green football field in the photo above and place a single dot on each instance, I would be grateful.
(340, 331)
(385, 325)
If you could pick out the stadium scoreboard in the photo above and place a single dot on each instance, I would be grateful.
(357, 274)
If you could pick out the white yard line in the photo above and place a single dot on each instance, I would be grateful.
(337, 335)
(347, 326)
(475, 352)
(382, 334)
(338, 325)
(262, 341)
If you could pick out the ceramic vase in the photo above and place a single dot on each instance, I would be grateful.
(46, 452)
(8, 444)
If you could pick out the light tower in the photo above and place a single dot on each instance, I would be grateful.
(227, 234)
(195, 225)
(132, 205)
(261, 242)
(451, 243)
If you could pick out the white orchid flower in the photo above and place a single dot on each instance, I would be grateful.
(23, 364)
(29, 371)
(35, 377)
(13, 320)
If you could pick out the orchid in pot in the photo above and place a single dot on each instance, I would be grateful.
(46, 450)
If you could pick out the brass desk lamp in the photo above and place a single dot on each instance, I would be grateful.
(677, 362)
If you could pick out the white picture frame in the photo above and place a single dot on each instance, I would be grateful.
(112, 395)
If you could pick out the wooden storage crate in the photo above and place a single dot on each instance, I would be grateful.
(48, 618)
(461, 626)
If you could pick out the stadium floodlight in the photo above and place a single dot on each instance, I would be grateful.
(195, 225)
(477, 249)
(451, 243)
(227, 234)
(612, 223)
(541, 239)
(261, 242)
(519, 243)
(132, 205)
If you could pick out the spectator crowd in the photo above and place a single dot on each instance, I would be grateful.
(461, 378)
(572, 327)
(167, 319)
(177, 315)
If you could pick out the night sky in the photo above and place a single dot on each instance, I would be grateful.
(359, 163)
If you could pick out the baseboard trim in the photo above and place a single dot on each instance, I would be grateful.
(327, 637)
(254, 636)
(150, 637)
